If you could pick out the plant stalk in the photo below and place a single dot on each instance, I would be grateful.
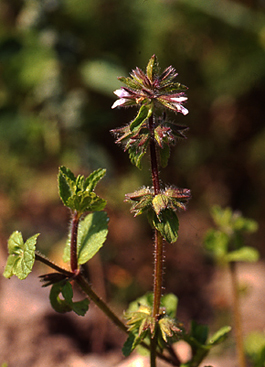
(73, 243)
(237, 317)
(158, 245)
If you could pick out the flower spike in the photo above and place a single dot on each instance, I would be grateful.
(152, 89)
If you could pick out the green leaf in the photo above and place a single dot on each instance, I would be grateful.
(136, 154)
(159, 203)
(144, 113)
(21, 255)
(67, 184)
(86, 201)
(220, 335)
(92, 233)
(130, 82)
(164, 155)
(93, 179)
(77, 192)
(199, 332)
(128, 345)
(216, 242)
(167, 224)
(152, 68)
(245, 253)
(66, 304)
(170, 302)
(132, 342)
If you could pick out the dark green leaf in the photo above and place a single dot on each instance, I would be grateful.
(67, 184)
(164, 155)
(66, 304)
(167, 225)
(92, 233)
(21, 255)
(199, 332)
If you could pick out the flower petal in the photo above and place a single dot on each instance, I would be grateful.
(119, 102)
(122, 93)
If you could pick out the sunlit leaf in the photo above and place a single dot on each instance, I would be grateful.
(21, 255)
(92, 233)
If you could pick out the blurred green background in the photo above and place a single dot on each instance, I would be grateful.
(59, 62)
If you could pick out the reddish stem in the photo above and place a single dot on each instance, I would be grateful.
(73, 243)
(158, 251)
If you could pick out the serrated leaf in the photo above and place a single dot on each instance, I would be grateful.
(167, 225)
(220, 335)
(67, 184)
(86, 201)
(66, 304)
(93, 179)
(92, 233)
(245, 253)
(144, 113)
(136, 154)
(21, 255)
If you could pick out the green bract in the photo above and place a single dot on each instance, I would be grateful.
(21, 255)
(77, 192)
(92, 233)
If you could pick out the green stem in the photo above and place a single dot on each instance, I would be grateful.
(237, 317)
(40, 257)
(84, 285)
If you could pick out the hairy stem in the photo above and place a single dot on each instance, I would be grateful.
(73, 243)
(158, 245)
(40, 257)
(237, 317)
